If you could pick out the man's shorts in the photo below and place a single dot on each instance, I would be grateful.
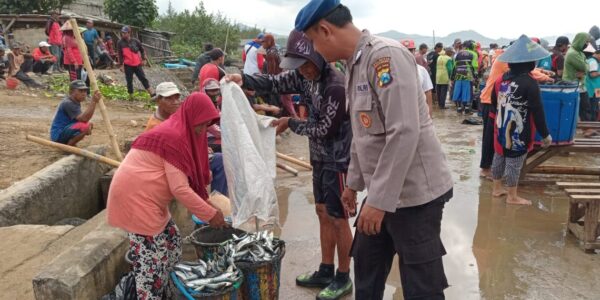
(462, 91)
(72, 130)
(328, 187)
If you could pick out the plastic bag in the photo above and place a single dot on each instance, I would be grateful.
(125, 289)
(248, 144)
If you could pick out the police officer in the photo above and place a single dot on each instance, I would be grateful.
(395, 154)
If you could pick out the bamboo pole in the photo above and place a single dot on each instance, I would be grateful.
(288, 169)
(94, 87)
(74, 150)
(294, 160)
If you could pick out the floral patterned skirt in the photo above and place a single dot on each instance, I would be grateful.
(153, 257)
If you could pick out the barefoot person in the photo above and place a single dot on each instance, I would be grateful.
(395, 155)
(329, 133)
(168, 162)
(517, 99)
(70, 125)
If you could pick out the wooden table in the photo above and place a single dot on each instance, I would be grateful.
(584, 211)
(539, 155)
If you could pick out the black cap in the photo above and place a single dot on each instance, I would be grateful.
(78, 85)
(562, 40)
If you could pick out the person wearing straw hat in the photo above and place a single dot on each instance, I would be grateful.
(72, 57)
(519, 113)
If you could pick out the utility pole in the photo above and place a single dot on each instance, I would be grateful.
(433, 39)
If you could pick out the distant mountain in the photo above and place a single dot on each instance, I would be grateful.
(463, 35)
(446, 40)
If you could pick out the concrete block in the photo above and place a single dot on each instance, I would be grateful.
(66, 189)
(87, 270)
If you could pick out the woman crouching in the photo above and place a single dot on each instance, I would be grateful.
(166, 163)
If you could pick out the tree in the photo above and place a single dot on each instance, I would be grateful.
(140, 13)
(32, 6)
(194, 28)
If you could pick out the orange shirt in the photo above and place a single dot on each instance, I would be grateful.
(142, 189)
(152, 122)
(498, 69)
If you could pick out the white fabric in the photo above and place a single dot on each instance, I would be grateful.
(593, 65)
(424, 79)
(248, 144)
(251, 64)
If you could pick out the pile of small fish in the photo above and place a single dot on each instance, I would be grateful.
(255, 247)
(209, 276)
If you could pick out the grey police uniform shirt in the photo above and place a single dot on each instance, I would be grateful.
(395, 152)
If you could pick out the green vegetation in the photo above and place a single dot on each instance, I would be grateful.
(32, 6)
(140, 13)
(195, 28)
(60, 84)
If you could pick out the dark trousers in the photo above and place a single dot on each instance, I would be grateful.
(442, 93)
(585, 108)
(91, 53)
(139, 72)
(219, 182)
(414, 234)
(42, 67)
(74, 72)
(487, 140)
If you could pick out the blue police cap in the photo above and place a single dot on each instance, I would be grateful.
(314, 11)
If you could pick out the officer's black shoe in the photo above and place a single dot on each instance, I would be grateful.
(320, 279)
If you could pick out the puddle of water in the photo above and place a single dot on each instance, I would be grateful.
(495, 251)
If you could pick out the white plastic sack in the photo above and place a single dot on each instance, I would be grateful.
(248, 145)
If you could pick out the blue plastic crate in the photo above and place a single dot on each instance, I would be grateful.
(561, 106)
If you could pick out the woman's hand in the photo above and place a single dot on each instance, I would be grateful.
(218, 221)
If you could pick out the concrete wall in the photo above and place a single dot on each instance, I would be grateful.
(69, 188)
(89, 269)
(87, 7)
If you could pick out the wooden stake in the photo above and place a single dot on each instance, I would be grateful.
(287, 168)
(74, 150)
(294, 160)
(94, 87)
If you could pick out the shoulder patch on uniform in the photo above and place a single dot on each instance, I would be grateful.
(383, 71)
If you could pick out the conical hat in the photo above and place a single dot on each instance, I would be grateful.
(523, 50)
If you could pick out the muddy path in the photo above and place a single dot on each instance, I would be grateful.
(25, 112)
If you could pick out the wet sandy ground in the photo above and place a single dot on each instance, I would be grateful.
(495, 251)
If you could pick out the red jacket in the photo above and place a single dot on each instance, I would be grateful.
(131, 52)
(209, 70)
(72, 55)
(38, 54)
(55, 35)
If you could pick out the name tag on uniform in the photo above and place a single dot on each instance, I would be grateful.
(362, 88)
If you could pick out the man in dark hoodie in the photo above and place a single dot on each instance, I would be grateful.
(330, 135)
(575, 70)
(203, 59)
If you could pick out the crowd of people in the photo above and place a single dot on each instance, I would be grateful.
(59, 52)
(366, 105)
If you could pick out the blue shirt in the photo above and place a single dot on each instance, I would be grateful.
(90, 35)
(545, 63)
(66, 114)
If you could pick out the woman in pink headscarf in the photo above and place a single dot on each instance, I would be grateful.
(170, 161)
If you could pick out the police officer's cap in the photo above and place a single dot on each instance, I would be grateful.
(314, 11)
(523, 50)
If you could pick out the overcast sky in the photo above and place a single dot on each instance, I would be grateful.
(508, 18)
